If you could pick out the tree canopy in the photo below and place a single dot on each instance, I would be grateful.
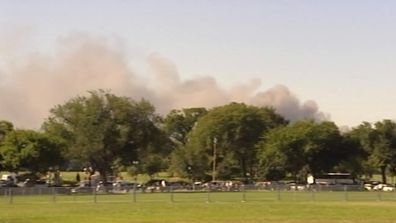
(103, 130)
(30, 150)
(110, 133)
(301, 148)
(233, 129)
(5, 128)
(379, 142)
(179, 123)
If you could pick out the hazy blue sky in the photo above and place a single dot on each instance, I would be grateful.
(339, 53)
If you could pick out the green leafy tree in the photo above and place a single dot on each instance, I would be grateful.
(153, 164)
(384, 153)
(179, 123)
(226, 136)
(302, 147)
(354, 159)
(103, 129)
(177, 126)
(379, 141)
(323, 150)
(30, 150)
(281, 151)
(5, 128)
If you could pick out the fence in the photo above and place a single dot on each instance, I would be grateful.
(243, 193)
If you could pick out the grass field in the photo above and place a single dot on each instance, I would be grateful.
(218, 212)
(260, 206)
(194, 207)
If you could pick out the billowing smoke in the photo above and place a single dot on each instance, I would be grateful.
(288, 104)
(171, 92)
(30, 88)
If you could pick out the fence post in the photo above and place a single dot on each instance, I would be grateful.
(53, 195)
(74, 196)
(11, 199)
(313, 198)
(294, 193)
(208, 195)
(94, 195)
(346, 192)
(243, 193)
(278, 193)
(171, 194)
(393, 192)
(379, 195)
(134, 193)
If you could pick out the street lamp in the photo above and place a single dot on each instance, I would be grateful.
(214, 159)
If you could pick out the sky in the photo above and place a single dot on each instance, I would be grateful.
(308, 59)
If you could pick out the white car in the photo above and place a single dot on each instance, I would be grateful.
(383, 187)
(388, 188)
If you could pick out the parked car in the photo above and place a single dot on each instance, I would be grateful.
(384, 187)
(104, 187)
(4, 183)
(388, 188)
(123, 186)
(27, 183)
(370, 185)
(8, 180)
(216, 185)
(296, 186)
(180, 185)
(83, 187)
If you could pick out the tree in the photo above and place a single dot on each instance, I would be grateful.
(103, 130)
(179, 123)
(225, 138)
(302, 147)
(177, 126)
(379, 141)
(354, 159)
(30, 150)
(281, 151)
(5, 128)
(323, 150)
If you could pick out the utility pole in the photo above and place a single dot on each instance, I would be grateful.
(214, 159)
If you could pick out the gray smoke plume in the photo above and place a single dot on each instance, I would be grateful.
(30, 88)
(288, 104)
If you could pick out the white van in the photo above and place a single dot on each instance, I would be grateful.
(9, 179)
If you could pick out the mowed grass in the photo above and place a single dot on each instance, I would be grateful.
(200, 207)
(248, 212)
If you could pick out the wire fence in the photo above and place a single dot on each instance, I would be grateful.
(244, 193)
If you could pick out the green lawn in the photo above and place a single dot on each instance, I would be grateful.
(249, 212)
(292, 207)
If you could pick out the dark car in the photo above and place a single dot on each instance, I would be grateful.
(6, 183)
(155, 185)
(123, 186)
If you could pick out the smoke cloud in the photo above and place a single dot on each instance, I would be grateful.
(29, 89)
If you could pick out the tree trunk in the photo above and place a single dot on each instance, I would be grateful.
(103, 175)
(294, 174)
(243, 165)
(383, 174)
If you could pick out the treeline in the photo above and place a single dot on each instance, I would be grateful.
(111, 134)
